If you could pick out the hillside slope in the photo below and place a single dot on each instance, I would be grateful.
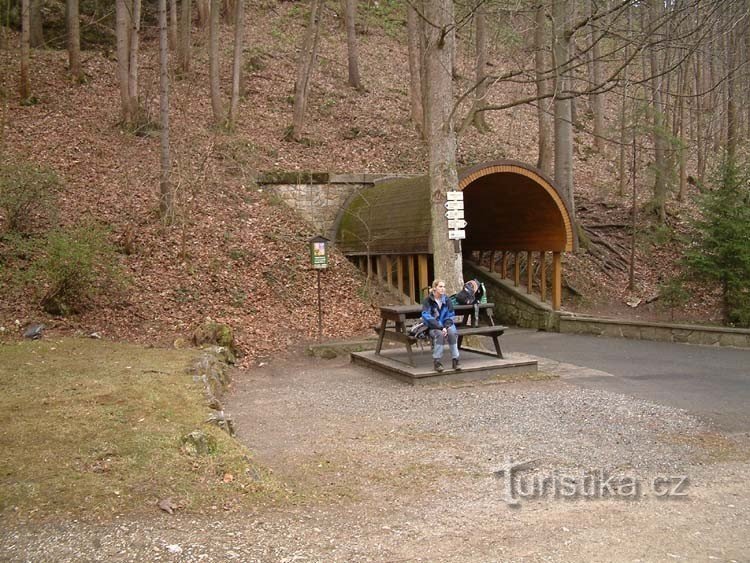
(236, 255)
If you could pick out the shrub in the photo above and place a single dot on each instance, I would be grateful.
(72, 266)
(26, 196)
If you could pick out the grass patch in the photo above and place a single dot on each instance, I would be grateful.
(92, 429)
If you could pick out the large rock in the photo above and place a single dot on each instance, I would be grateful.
(215, 334)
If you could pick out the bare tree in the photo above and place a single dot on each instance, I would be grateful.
(122, 17)
(24, 87)
(213, 61)
(239, 25)
(480, 94)
(594, 64)
(657, 74)
(441, 135)
(563, 101)
(36, 24)
(72, 20)
(305, 66)
(166, 196)
(133, 43)
(185, 27)
(543, 90)
(350, 16)
(173, 25)
(414, 39)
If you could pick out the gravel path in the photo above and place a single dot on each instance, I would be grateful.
(382, 471)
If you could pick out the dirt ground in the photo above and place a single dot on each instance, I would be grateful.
(381, 471)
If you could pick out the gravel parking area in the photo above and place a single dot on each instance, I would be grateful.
(382, 471)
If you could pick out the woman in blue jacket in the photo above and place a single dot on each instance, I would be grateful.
(437, 313)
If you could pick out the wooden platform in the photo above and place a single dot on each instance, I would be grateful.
(475, 366)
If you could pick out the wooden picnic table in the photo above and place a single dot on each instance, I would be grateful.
(394, 319)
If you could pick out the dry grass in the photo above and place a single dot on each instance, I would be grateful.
(92, 429)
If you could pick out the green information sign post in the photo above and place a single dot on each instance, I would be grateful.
(319, 261)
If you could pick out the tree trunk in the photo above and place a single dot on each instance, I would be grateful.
(239, 24)
(166, 199)
(732, 70)
(480, 100)
(173, 25)
(308, 55)
(36, 27)
(186, 24)
(203, 12)
(74, 40)
(213, 61)
(414, 33)
(122, 25)
(543, 89)
(595, 100)
(563, 99)
(441, 138)
(660, 161)
(350, 16)
(24, 87)
(133, 62)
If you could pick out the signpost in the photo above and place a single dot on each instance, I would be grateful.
(455, 216)
(319, 261)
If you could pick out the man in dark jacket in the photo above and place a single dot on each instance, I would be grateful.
(438, 314)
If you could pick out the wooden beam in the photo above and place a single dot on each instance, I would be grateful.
(529, 272)
(543, 275)
(369, 267)
(504, 267)
(556, 281)
(492, 261)
(400, 274)
(412, 285)
(388, 271)
(424, 280)
(516, 269)
(361, 264)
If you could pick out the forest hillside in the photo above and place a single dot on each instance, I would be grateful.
(234, 253)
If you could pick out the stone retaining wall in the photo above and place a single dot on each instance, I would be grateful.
(513, 306)
(690, 334)
(317, 196)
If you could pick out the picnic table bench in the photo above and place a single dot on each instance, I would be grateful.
(393, 326)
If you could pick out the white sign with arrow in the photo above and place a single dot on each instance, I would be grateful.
(457, 224)
(455, 234)
(454, 214)
(455, 196)
(454, 204)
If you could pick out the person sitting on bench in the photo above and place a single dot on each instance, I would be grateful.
(438, 314)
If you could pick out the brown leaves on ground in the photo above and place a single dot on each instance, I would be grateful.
(234, 254)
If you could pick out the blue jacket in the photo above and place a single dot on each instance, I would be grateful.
(437, 318)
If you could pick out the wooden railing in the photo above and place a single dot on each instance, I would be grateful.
(529, 266)
(410, 274)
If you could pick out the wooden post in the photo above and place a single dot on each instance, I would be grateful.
(543, 275)
(516, 268)
(412, 285)
(529, 272)
(492, 261)
(400, 275)
(361, 263)
(504, 267)
(556, 281)
(369, 267)
(424, 280)
(388, 271)
(379, 267)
